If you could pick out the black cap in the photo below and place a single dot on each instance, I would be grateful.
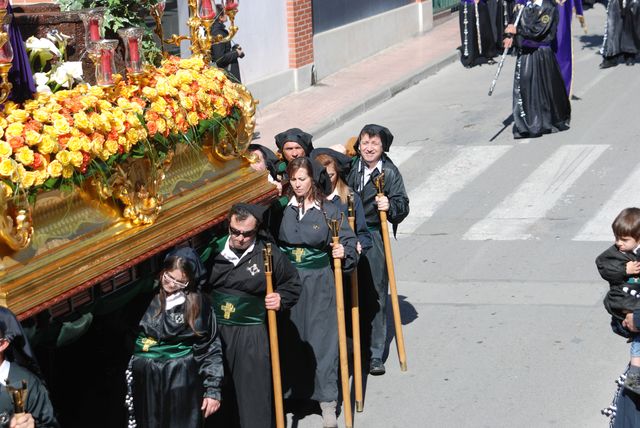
(321, 177)
(270, 158)
(343, 161)
(386, 137)
(295, 135)
(192, 258)
(256, 211)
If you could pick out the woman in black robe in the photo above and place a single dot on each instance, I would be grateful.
(175, 373)
(471, 26)
(225, 55)
(621, 33)
(540, 101)
(310, 339)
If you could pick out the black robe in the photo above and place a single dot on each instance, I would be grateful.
(472, 53)
(310, 335)
(37, 404)
(622, 29)
(168, 393)
(247, 389)
(223, 54)
(373, 284)
(540, 101)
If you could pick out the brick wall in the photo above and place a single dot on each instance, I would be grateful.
(300, 32)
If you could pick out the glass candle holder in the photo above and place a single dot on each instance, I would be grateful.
(104, 50)
(92, 20)
(6, 51)
(132, 39)
(206, 9)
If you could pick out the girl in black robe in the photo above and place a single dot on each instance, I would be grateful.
(621, 33)
(175, 373)
(540, 101)
(310, 339)
(471, 25)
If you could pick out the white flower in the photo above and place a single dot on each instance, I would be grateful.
(42, 46)
(41, 80)
(66, 73)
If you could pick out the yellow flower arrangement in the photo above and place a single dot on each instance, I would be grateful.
(71, 133)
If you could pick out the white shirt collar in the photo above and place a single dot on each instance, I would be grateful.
(231, 256)
(294, 202)
(368, 172)
(4, 372)
(172, 301)
(635, 250)
(538, 2)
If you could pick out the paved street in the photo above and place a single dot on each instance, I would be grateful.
(500, 297)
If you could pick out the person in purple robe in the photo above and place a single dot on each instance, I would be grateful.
(540, 101)
(20, 74)
(562, 44)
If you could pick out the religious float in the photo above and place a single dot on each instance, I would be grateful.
(98, 181)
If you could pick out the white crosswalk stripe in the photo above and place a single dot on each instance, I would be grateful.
(511, 219)
(400, 154)
(450, 178)
(599, 227)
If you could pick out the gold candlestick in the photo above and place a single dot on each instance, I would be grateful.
(18, 395)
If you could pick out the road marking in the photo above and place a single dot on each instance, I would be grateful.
(511, 219)
(450, 178)
(599, 227)
(400, 154)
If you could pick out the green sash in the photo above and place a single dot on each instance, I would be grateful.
(148, 347)
(307, 258)
(238, 310)
(633, 280)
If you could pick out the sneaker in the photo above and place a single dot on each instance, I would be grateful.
(376, 367)
(632, 382)
(329, 419)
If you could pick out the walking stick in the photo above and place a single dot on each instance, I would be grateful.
(379, 183)
(273, 341)
(334, 225)
(475, 5)
(355, 319)
(504, 55)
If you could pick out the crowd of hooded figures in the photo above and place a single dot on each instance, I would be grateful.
(202, 354)
(540, 32)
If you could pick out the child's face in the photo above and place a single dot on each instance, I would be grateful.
(626, 243)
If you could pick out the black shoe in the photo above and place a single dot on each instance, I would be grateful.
(629, 61)
(491, 62)
(376, 368)
(608, 62)
(632, 382)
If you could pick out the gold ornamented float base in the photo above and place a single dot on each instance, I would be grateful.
(79, 241)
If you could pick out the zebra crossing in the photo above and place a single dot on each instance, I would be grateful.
(514, 217)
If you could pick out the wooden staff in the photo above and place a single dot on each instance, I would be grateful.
(379, 183)
(355, 319)
(334, 225)
(273, 340)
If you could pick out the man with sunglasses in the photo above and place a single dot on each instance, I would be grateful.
(240, 302)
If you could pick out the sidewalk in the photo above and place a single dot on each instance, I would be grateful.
(360, 87)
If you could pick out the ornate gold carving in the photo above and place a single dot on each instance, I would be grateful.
(232, 143)
(15, 221)
(136, 185)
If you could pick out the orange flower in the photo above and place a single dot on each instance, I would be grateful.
(16, 142)
(33, 125)
(152, 127)
(63, 140)
(37, 161)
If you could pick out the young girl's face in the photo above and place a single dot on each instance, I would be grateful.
(174, 280)
(626, 243)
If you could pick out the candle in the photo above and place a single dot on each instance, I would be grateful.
(134, 52)
(106, 65)
(206, 9)
(6, 52)
(94, 29)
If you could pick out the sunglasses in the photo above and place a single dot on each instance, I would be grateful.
(166, 277)
(246, 233)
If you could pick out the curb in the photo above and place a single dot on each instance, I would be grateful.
(375, 99)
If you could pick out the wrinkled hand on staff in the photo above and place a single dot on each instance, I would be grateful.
(337, 251)
(22, 420)
(383, 203)
(272, 301)
(510, 31)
